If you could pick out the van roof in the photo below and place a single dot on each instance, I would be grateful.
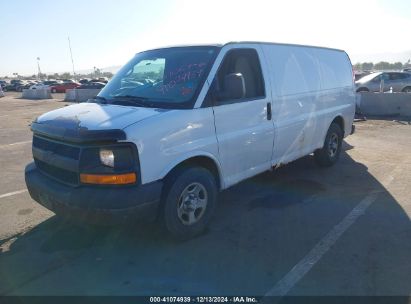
(279, 43)
(249, 42)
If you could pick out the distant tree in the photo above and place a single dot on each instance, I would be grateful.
(107, 74)
(382, 65)
(357, 66)
(367, 66)
(65, 76)
(397, 66)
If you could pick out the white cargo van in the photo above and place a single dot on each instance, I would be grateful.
(177, 125)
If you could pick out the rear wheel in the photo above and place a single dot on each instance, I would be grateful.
(407, 90)
(330, 152)
(189, 202)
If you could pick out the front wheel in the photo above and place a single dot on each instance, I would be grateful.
(330, 152)
(191, 196)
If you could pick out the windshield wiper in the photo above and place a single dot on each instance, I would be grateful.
(101, 99)
(135, 100)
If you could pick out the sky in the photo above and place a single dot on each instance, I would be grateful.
(108, 33)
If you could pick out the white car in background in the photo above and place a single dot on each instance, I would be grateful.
(45, 84)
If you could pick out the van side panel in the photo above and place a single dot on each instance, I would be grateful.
(295, 83)
(338, 92)
(311, 86)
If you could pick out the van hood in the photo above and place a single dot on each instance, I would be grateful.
(79, 121)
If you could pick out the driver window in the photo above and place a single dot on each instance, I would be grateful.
(246, 63)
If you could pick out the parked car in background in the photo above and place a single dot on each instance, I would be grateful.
(45, 84)
(407, 70)
(26, 84)
(103, 79)
(84, 80)
(62, 87)
(3, 84)
(23, 85)
(398, 81)
(13, 85)
(68, 80)
(92, 85)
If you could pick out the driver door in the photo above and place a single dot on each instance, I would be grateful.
(244, 127)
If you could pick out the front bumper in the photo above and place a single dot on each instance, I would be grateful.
(96, 204)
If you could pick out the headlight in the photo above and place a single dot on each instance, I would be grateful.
(107, 158)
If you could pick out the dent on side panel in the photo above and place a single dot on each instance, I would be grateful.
(162, 142)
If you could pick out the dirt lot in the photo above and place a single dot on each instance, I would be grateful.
(299, 230)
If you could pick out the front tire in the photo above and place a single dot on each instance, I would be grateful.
(189, 202)
(328, 155)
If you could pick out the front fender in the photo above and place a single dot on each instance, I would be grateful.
(192, 154)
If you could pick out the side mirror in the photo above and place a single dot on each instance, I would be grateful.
(234, 87)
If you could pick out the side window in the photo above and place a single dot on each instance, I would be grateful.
(398, 76)
(393, 76)
(381, 77)
(377, 79)
(242, 62)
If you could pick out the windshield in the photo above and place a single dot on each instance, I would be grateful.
(163, 78)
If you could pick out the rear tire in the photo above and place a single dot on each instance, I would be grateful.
(328, 155)
(189, 202)
(406, 90)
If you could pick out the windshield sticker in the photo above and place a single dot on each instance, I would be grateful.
(182, 74)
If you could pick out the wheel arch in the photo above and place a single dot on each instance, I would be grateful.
(205, 160)
(339, 120)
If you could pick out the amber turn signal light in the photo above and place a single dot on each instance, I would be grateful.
(112, 179)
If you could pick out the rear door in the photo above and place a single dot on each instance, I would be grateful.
(244, 126)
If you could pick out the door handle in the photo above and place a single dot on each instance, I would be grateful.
(269, 113)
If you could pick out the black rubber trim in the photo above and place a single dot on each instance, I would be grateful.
(56, 160)
(78, 135)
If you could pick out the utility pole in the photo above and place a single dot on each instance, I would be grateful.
(38, 69)
(71, 55)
